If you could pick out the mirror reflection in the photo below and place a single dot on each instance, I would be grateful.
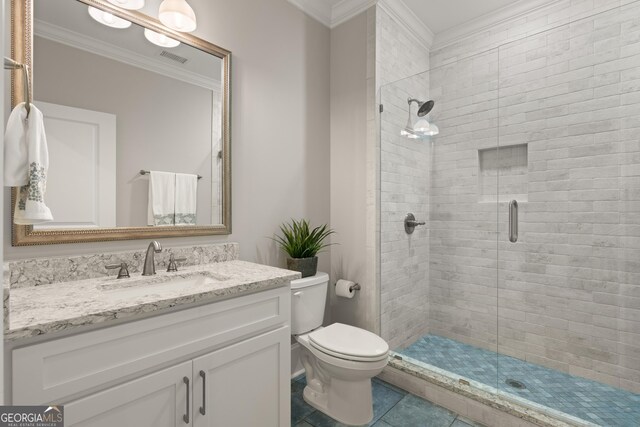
(120, 101)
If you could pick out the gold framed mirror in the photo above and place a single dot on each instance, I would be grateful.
(122, 197)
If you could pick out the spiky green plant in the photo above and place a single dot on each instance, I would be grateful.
(298, 240)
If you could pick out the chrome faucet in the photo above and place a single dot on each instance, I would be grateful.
(149, 259)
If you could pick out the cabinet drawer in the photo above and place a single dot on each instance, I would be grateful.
(48, 372)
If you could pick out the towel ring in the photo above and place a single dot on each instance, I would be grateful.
(10, 64)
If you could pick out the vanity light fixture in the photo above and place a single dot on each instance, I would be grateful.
(128, 4)
(106, 18)
(160, 39)
(177, 15)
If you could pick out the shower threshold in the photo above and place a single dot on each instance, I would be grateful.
(536, 393)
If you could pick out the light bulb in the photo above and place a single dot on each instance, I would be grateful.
(160, 39)
(177, 15)
(108, 19)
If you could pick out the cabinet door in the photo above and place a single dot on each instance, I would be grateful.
(155, 400)
(246, 384)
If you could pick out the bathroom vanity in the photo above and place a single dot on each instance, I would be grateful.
(207, 345)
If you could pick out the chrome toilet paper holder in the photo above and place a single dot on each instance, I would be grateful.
(354, 287)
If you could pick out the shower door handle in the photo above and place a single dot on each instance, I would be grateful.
(513, 221)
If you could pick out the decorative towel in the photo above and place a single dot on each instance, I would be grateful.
(26, 162)
(186, 198)
(162, 187)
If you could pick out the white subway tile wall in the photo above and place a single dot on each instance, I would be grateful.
(462, 245)
(404, 185)
(565, 81)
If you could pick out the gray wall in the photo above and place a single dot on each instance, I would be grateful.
(162, 123)
(368, 51)
(349, 170)
(280, 126)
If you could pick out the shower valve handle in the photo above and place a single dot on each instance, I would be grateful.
(410, 223)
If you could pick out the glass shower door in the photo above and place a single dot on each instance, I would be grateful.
(569, 279)
(438, 284)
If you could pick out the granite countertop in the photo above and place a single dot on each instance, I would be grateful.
(38, 310)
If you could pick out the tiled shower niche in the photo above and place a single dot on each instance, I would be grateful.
(505, 168)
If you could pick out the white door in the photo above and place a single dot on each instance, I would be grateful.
(81, 184)
(246, 384)
(156, 400)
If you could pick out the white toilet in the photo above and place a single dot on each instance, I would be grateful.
(339, 360)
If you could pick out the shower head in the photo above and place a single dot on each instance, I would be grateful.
(422, 127)
(423, 107)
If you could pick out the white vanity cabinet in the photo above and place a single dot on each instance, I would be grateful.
(221, 364)
(155, 400)
(240, 385)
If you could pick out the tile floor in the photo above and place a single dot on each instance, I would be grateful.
(589, 400)
(392, 407)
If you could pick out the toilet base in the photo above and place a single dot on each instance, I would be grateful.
(349, 402)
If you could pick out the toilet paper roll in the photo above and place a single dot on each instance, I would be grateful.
(344, 288)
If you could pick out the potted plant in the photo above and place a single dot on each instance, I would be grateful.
(302, 244)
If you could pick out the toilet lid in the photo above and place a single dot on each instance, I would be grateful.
(349, 342)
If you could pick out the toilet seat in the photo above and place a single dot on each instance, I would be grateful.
(350, 343)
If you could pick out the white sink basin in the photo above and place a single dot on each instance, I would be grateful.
(162, 281)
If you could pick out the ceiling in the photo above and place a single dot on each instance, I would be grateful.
(441, 15)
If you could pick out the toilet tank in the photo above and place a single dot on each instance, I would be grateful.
(308, 297)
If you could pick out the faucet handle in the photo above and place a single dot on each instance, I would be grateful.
(173, 263)
(124, 269)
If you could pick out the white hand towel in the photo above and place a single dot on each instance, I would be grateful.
(26, 163)
(186, 198)
(162, 187)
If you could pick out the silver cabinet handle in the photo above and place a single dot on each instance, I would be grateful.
(203, 409)
(513, 221)
(185, 417)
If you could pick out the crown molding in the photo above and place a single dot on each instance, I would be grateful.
(402, 14)
(490, 20)
(81, 41)
(347, 9)
(332, 16)
(317, 9)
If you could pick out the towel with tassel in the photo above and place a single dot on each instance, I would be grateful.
(26, 163)
(162, 187)
(186, 198)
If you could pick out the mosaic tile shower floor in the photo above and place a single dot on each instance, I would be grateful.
(392, 407)
(586, 399)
